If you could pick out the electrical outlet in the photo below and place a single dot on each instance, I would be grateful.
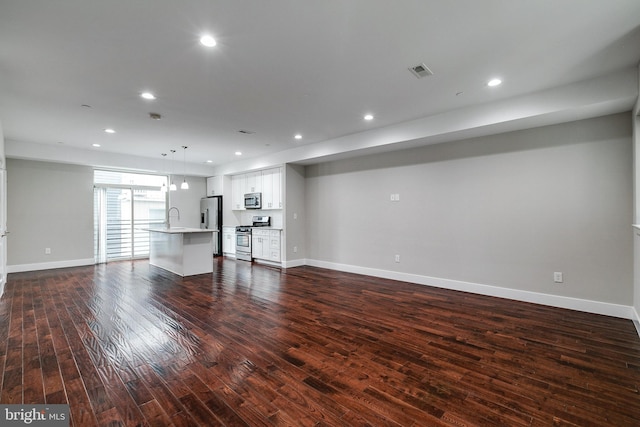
(47, 251)
(392, 198)
(557, 277)
(397, 197)
(295, 249)
(397, 258)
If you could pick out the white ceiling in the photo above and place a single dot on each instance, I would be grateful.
(286, 66)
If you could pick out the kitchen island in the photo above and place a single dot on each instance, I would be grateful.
(180, 250)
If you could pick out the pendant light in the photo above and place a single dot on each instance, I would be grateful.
(185, 184)
(172, 187)
(164, 163)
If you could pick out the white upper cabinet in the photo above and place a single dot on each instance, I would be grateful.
(238, 185)
(272, 188)
(214, 185)
(253, 182)
(268, 182)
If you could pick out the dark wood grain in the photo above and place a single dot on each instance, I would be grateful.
(248, 345)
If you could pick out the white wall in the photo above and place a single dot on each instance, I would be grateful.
(59, 153)
(636, 192)
(2, 148)
(50, 205)
(188, 201)
(636, 231)
(295, 216)
(505, 211)
(3, 215)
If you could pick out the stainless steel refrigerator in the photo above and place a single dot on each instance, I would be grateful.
(211, 219)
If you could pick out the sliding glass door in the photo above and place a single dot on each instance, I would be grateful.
(120, 213)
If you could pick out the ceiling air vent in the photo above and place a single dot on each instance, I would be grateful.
(421, 71)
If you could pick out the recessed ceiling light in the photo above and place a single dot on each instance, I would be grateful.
(494, 82)
(109, 130)
(96, 145)
(298, 136)
(368, 117)
(238, 153)
(207, 40)
(209, 161)
(147, 95)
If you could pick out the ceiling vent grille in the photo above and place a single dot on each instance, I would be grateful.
(421, 71)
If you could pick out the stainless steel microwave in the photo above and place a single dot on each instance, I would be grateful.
(253, 201)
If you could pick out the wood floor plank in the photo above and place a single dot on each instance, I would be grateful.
(129, 344)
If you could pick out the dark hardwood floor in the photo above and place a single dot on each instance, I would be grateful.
(129, 344)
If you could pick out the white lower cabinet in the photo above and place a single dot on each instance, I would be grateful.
(265, 244)
(229, 240)
(274, 245)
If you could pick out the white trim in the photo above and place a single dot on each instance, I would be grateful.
(636, 320)
(589, 306)
(267, 262)
(294, 263)
(49, 265)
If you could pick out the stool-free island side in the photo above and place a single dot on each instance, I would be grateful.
(181, 250)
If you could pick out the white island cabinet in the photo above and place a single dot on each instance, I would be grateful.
(183, 251)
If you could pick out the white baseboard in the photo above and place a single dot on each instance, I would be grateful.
(295, 263)
(636, 320)
(18, 268)
(267, 262)
(589, 306)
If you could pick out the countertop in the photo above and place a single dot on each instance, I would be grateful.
(256, 228)
(179, 230)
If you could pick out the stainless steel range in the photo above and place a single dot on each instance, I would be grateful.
(243, 237)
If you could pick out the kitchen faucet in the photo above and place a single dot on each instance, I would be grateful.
(169, 215)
